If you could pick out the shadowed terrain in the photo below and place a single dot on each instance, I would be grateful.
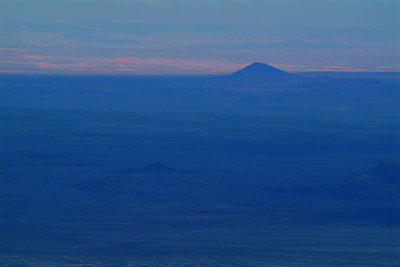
(257, 168)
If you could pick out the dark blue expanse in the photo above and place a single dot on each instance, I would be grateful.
(253, 170)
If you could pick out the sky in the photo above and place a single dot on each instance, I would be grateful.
(197, 37)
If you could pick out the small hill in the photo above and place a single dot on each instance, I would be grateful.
(260, 71)
(386, 172)
(383, 181)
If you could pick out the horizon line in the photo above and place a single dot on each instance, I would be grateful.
(219, 74)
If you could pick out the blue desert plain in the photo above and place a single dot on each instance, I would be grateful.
(257, 168)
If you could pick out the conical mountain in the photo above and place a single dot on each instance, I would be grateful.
(259, 71)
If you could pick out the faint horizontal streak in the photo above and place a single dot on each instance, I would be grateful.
(16, 60)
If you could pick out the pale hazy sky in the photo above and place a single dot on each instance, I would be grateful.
(195, 37)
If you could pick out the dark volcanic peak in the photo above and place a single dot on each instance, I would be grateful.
(259, 70)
